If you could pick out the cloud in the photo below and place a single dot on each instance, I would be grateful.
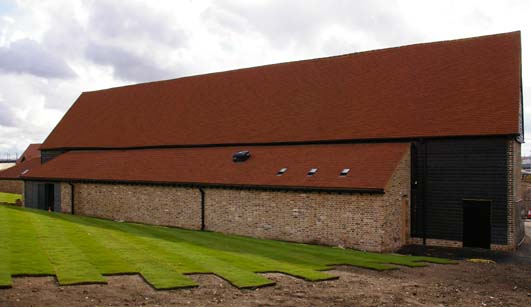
(285, 23)
(7, 118)
(28, 56)
(126, 64)
(136, 21)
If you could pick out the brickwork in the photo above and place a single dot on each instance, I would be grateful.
(510, 193)
(66, 198)
(157, 205)
(362, 221)
(12, 186)
(499, 247)
(437, 242)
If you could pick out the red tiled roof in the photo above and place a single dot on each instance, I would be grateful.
(371, 166)
(451, 88)
(33, 151)
(15, 172)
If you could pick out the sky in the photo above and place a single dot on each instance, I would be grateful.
(53, 50)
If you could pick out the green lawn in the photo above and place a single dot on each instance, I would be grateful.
(83, 250)
(9, 198)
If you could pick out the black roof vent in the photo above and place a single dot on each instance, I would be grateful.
(344, 172)
(282, 171)
(241, 156)
(312, 172)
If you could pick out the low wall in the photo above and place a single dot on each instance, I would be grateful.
(331, 219)
(12, 186)
(157, 205)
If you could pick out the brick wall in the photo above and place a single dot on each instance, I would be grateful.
(157, 205)
(362, 221)
(12, 186)
(66, 198)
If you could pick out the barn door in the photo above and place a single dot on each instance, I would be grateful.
(49, 199)
(476, 223)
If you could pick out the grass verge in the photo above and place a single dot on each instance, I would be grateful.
(9, 198)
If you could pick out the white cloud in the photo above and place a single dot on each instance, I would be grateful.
(51, 51)
(28, 56)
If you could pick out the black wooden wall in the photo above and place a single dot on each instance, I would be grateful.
(35, 196)
(47, 155)
(450, 170)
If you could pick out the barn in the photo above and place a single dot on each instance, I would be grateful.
(373, 150)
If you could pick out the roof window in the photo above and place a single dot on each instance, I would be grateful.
(241, 156)
(344, 172)
(282, 171)
(312, 172)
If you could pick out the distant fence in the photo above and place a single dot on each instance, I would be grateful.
(8, 157)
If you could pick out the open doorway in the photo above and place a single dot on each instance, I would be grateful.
(476, 223)
(49, 198)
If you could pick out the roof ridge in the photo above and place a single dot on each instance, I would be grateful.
(318, 59)
(422, 90)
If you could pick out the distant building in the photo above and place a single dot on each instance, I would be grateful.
(5, 165)
(10, 177)
(371, 150)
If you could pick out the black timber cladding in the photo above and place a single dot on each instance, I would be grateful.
(447, 171)
(47, 155)
(35, 195)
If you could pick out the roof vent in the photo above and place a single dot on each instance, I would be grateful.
(241, 156)
(344, 172)
(312, 172)
(282, 171)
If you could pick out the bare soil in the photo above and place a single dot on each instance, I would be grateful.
(464, 284)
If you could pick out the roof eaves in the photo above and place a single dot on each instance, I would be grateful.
(212, 185)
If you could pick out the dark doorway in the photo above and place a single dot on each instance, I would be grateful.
(49, 197)
(476, 223)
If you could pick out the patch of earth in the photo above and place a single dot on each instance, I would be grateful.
(465, 284)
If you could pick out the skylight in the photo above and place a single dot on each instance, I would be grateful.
(344, 172)
(312, 172)
(282, 171)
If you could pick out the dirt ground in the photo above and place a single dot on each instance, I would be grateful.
(505, 283)
(464, 284)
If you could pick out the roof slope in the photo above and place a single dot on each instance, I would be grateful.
(15, 172)
(33, 151)
(371, 166)
(451, 88)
